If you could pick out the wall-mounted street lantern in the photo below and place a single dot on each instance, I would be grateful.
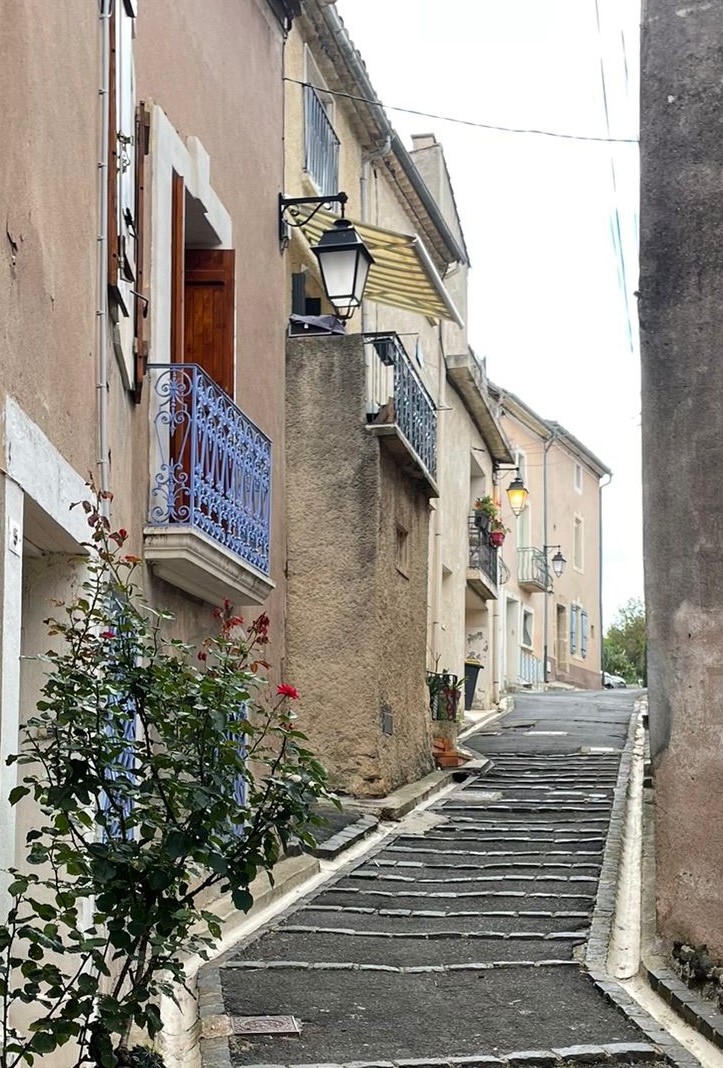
(558, 561)
(344, 259)
(517, 494)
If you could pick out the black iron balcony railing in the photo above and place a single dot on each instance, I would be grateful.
(482, 556)
(532, 569)
(414, 411)
(321, 145)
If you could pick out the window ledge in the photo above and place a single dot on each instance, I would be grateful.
(186, 558)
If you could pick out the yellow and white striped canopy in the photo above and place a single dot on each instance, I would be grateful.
(402, 274)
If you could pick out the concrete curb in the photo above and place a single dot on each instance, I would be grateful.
(630, 1053)
(596, 951)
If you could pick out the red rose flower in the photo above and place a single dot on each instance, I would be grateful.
(287, 691)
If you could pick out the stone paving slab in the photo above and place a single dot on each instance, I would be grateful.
(479, 899)
(435, 948)
(350, 1016)
(426, 919)
(547, 884)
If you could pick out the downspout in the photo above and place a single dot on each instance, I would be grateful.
(601, 487)
(545, 613)
(102, 262)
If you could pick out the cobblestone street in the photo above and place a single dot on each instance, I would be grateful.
(464, 935)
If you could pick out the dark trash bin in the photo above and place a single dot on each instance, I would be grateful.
(472, 670)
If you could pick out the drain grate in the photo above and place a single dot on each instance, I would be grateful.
(265, 1025)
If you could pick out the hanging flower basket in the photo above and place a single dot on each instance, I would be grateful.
(496, 538)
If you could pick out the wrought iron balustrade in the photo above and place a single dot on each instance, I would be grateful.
(530, 668)
(482, 555)
(532, 569)
(212, 464)
(414, 410)
(321, 145)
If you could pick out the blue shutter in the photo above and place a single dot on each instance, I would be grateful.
(583, 632)
(573, 628)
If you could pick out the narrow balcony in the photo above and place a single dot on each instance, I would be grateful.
(532, 570)
(208, 529)
(321, 145)
(530, 670)
(483, 562)
(401, 411)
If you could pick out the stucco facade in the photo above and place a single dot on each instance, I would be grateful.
(346, 456)
(681, 272)
(543, 617)
(356, 607)
(78, 397)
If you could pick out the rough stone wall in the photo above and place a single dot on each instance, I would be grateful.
(401, 620)
(681, 314)
(356, 628)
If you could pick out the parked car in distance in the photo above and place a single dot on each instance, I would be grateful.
(613, 682)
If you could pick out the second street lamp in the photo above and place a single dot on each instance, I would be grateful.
(517, 494)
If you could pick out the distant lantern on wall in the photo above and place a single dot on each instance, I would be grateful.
(558, 563)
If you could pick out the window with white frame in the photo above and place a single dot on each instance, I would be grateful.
(578, 530)
(578, 477)
(528, 628)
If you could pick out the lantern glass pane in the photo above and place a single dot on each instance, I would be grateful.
(339, 270)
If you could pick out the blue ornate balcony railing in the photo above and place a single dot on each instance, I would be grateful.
(414, 410)
(321, 145)
(532, 567)
(482, 555)
(213, 466)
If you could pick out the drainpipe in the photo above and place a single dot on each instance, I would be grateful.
(101, 312)
(545, 622)
(601, 487)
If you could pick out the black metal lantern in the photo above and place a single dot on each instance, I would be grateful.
(344, 262)
(558, 563)
(517, 494)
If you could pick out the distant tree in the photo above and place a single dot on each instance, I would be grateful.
(625, 649)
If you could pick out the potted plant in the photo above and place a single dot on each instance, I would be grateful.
(485, 510)
(497, 533)
(444, 694)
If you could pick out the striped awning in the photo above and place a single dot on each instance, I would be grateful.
(402, 274)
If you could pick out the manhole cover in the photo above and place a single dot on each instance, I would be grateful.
(266, 1025)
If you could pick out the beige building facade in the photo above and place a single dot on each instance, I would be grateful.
(550, 626)
(363, 422)
(142, 286)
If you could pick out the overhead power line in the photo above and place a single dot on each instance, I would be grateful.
(468, 122)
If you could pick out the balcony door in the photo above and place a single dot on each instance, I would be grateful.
(203, 296)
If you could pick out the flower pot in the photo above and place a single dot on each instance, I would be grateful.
(444, 696)
(496, 538)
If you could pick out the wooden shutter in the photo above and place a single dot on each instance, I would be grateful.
(143, 122)
(583, 632)
(178, 238)
(209, 314)
(573, 628)
(113, 162)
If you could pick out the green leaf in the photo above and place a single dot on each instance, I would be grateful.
(17, 793)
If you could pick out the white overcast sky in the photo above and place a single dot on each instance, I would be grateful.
(547, 306)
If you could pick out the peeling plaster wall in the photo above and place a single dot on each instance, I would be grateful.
(356, 628)
(682, 383)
